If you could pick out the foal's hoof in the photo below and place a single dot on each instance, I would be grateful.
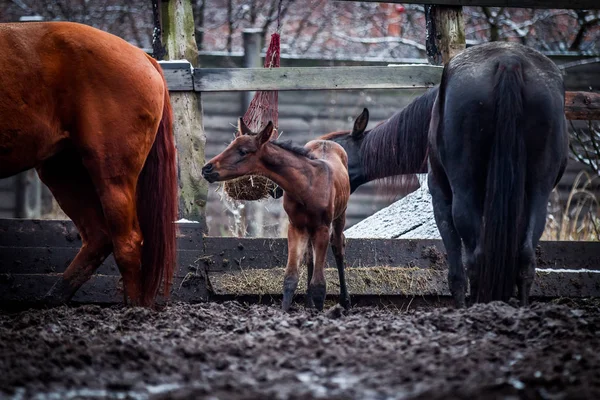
(308, 301)
(289, 288)
(317, 293)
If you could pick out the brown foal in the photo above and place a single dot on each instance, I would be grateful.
(316, 192)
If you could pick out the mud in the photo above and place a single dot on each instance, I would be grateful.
(232, 351)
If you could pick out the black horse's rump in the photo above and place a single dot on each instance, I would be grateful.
(498, 145)
(494, 135)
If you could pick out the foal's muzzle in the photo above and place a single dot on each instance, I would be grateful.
(209, 173)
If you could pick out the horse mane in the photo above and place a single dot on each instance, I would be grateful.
(294, 148)
(399, 145)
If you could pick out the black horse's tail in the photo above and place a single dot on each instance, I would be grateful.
(505, 188)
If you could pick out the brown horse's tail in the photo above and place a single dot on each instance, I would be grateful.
(157, 207)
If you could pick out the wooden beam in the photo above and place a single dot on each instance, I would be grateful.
(582, 105)
(188, 128)
(445, 33)
(569, 4)
(316, 78)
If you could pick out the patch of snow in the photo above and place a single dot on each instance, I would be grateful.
(186, 221)
(563, 270)
(409, 218)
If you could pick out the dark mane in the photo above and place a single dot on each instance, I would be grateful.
(294, 148)
(399, 145)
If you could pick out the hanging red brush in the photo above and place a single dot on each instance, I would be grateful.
(262, 109)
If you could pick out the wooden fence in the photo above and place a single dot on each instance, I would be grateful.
(32, 253)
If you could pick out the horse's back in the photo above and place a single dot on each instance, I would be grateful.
(468, 101)
(336, 158)
(470, 77)
(58, 78)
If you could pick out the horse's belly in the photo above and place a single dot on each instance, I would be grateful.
(22, 148)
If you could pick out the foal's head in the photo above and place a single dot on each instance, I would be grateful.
(241, 157)
(351, 141)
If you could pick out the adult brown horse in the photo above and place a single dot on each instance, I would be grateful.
(92, 114)
(316, 188)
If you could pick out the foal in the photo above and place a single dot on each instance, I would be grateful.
(316, 188)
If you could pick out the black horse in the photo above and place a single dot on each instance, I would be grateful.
(495, 135)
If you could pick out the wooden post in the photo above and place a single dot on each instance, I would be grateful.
(253, 210)
(28, 185)
(252, 46)
(29, 195)
(445, 33)
(178, 38)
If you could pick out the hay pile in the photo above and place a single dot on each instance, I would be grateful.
(380, 281)
(249, 188)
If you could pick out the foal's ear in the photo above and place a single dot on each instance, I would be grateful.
(360, 124)
(265, 135)
(242, 128)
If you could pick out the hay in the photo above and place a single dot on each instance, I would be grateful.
(249, 188)
(360, 281)
(262, 108)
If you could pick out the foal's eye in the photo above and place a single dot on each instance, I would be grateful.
(242, 152)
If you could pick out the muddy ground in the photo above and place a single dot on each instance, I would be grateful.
(232, 351)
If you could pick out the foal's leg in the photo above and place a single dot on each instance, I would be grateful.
(317, 287)
(310, 265)
(338, 246)
(442, 210)
(297, 242)
(70, 184)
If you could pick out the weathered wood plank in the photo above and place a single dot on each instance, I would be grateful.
(30, 241)
(316, 78)
(230, 254)
(383, 281)
(582, 105)
(99, 289)
(178, 75)
(63, 233)
(570, 4)
(50, 260)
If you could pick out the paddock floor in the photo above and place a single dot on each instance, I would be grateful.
(232, 351)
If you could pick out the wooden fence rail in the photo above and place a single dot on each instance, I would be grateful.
(182, 77)
(34, 253)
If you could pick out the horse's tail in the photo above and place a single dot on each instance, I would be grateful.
(505, 189)
(157, 206)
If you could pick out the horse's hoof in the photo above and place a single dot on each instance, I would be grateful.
(345, 302)
(317, 293)
(286, 304)
(308, 302)
(290, 283)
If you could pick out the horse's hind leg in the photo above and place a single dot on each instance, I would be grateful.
(442, 210)
(535, 227)
(70, 184)
(317, 287)
(297, 243)
(338, 247)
